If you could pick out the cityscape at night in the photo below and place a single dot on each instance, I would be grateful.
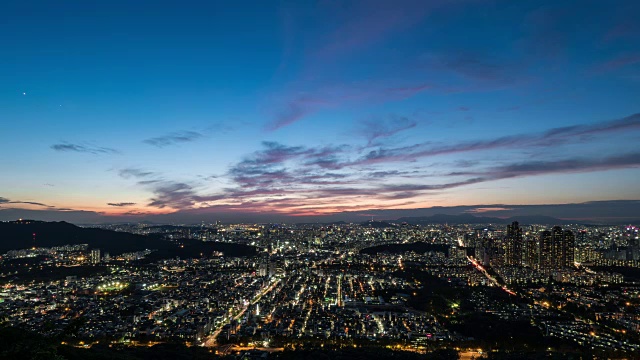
(357, 179)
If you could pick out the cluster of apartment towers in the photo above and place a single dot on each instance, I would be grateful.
(549, 250)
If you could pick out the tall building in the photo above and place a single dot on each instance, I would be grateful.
(557, 236)
(95, 256)
(568, 249)
(556, 249)
(513, 245)
(530, 256)
(482, 251)
(587, 254)
(263, 268)
(496, 252)
(582, 236)
(545, 255)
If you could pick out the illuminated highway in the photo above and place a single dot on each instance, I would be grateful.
(491, 278)
(210, 341)
(484, 271)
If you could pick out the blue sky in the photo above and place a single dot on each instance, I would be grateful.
(310, 108)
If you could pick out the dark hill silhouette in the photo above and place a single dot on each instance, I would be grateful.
(378, 224)
(538, 219)
(19, 235)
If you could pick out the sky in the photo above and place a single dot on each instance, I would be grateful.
(197, 111)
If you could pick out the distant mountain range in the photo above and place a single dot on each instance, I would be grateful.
(471, 219)
(457, 219)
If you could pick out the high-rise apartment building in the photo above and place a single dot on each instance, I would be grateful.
(530, 253)
(568, 248)
(513, 245)
(556, 249)
(545, 255)
(95, 256)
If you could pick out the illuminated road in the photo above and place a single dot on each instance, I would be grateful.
(211, 340)
(246, 348)
(484, 271)
(469, 354)
(488, 276)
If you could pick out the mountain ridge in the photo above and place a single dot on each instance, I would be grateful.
(472, 219)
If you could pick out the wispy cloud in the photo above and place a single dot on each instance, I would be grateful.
(375, 128)
(391, 173)
(267, 166)
(173, 138)
(294, 110)
(274, 152)
(7, 201)
(135, 173)
(569, 165)
(31, 203)
(550, 137)
(474, 66)
(122, 204)
(172, 194)
(521, 169)
(83, 148)
(166, 193)
(565, 166)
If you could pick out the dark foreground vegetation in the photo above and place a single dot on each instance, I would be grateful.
(22, 345)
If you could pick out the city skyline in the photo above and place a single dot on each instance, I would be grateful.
(305, 111)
